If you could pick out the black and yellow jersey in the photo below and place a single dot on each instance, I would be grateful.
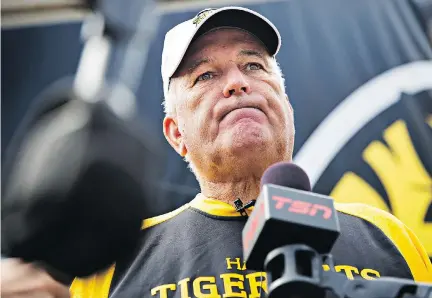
(196, 251)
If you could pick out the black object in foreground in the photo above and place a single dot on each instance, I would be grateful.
(296, 271)
(77, 189)
(77, 184)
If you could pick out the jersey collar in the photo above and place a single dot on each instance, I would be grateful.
(215, 207)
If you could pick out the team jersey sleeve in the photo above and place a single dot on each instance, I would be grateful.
(421, 252)
(402, 237)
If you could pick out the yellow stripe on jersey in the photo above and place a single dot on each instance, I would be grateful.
(403, 238)
(147, 223)
(95, 286)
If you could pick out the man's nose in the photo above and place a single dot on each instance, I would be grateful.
(236, 83)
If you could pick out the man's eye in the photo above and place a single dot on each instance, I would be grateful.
(254, 66)
(204, 77)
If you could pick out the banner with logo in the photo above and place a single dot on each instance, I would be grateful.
(358, 74)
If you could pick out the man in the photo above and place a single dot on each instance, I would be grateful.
(228, 115)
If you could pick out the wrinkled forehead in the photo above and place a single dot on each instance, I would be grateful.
(223, 38)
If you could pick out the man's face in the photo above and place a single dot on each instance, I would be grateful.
(231, 113)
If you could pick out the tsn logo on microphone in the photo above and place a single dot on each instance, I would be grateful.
(302, 207)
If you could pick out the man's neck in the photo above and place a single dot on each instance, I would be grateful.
(246, 190)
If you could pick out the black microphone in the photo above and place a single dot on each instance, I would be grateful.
(287, 213)
(78, 187)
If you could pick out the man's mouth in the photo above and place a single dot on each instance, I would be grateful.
(246, 107)
(243, 114)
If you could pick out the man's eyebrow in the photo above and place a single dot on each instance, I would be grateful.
(255, 53)
(195, 64)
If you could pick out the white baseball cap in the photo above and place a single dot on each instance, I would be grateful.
(178, 39)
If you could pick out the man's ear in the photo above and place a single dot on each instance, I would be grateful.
(173, 135)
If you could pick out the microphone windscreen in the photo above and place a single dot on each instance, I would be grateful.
(286, 174)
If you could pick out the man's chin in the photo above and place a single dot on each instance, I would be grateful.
(244, 141)
(246, 133)
(248, 146)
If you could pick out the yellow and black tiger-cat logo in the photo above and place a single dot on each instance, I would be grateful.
(398, 175)
(407, 183)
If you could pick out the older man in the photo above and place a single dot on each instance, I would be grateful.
(228, 115)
